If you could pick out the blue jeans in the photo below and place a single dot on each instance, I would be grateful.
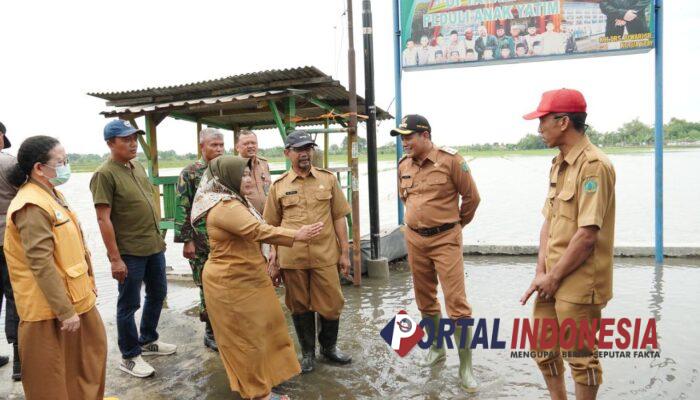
(148, 271)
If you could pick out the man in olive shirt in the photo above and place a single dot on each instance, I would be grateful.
(129, 222)
(302, 196)
(573, 275)
(7, 193)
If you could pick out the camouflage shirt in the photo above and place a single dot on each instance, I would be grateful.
(186, 188)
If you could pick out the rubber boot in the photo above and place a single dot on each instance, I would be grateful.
(209, 339)
(4, 360)
(305, 325)
(16, 365)
(466, 374)
(435, 354)
(328, 337)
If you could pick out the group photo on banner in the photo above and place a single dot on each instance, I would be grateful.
(437, 32)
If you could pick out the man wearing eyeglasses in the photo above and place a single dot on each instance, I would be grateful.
(301, 196)
(573, 275)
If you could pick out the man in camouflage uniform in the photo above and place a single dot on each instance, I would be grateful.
(196, 242)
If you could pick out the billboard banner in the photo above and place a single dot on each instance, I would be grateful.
(449, 33)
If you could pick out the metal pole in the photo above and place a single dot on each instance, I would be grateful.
(659, 134)
(371, 124)
(397, 97)
(352, 157)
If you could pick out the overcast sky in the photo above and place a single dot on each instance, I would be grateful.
(52, 53)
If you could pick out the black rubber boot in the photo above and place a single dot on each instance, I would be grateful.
(4, 360)
(327, 338)
(305, 325)
(209, 339)
(16, 365)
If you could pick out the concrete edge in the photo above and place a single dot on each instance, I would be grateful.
(619, 251)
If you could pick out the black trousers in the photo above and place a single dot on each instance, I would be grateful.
(636, 26)
(11, 317)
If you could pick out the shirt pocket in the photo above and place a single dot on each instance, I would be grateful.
(322, 198)
(78, 282)
(436, 182)
(291, 207)
(567, 205)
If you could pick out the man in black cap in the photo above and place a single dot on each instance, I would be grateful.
(432, 180)
(7, 193)
(303, 195)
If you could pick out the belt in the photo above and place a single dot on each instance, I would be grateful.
(433, 231)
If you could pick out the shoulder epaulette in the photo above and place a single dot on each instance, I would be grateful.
(262, 158)
(591, 153)
(449, 150)
(325, 170)
(280, 177)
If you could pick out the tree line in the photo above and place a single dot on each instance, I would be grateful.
(634, 133)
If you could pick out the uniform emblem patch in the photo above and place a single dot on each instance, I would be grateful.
(465, 167)
(591, 186)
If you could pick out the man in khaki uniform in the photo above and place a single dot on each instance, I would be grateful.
(573, 276)
(247, 146)
(431, 182)
(302, 196)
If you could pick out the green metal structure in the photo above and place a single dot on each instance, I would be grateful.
(275, 99)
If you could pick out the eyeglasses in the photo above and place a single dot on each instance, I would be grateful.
(58, 164)
(302, 149)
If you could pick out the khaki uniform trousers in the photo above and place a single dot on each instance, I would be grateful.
(584, 363)
(59, 365)
(433, 258)
(314, 289)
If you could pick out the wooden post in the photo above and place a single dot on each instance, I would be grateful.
(153, 171)
(326, 145)
(199, 146)
(236, 133)
(353, 154)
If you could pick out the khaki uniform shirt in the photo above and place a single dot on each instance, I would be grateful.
(261, 176)
(295, 201)
(135, 217)
(582, 193)
(431, 189)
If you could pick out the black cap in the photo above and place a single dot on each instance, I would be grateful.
(296, 139)
(411, 124)
(3, 130)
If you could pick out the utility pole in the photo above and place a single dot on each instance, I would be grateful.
(376, 266)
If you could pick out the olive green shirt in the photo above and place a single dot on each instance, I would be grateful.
(125, 188)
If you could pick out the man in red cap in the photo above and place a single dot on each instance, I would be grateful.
(573, 276)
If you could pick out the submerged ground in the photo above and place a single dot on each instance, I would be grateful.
(669, 294)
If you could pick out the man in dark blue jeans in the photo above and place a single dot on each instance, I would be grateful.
(128, 216)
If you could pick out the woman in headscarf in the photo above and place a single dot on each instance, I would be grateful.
(62, 342)
(247, 318)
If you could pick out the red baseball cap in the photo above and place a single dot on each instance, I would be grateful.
(559, 101)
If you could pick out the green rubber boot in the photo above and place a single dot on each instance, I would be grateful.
(435, 354)
(466, 374)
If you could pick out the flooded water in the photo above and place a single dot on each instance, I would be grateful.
(512, 191)
(494, 286)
